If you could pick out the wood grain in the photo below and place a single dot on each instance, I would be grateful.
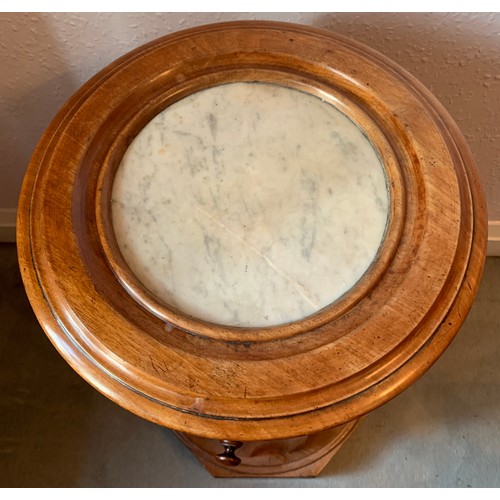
(268, 383)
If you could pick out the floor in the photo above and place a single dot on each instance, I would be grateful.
(57, 431)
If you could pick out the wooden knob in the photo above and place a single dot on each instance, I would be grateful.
(228, 457)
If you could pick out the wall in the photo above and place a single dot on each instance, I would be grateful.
(45, 57)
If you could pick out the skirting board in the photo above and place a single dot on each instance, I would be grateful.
(7, 225)
(8, 231)
(494, 238)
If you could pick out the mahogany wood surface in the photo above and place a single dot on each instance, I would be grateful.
(249, 384)
(304, 456)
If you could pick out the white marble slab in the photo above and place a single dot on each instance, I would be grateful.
(250, 205)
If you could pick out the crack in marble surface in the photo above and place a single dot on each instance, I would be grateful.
(271, 264)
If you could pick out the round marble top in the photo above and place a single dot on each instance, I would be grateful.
(250, 204)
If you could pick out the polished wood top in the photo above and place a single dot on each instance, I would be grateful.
(252, 383)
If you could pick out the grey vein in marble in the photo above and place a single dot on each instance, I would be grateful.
(250, 204)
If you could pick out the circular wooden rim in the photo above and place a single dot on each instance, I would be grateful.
(176, 318)
(257, 383)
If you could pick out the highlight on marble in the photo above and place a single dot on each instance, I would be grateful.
(250, 204)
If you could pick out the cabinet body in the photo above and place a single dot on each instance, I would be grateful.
(292, 389)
